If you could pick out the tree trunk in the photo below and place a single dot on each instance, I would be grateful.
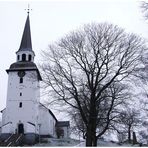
(95, 141)
(129, 134)
(94, 137)
(134, 138)
(88, 139)
(91, 138)
(91, 130)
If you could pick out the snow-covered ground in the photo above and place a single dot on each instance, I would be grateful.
(53, 142)
(57, 142)
(102, 143)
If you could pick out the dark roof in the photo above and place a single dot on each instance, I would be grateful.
(62, 123)
(31, 123)
(49, 112)
(24, 65)
(26, 43)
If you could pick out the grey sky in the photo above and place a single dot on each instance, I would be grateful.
(52, 19)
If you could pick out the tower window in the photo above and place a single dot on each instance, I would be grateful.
(23, 57)
(21, 80)
(20, 105)
(18, 57)
(29, 58)
(20, 94)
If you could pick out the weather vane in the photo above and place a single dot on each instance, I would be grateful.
(28, 9)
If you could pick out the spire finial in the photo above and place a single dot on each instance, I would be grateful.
(28, 9)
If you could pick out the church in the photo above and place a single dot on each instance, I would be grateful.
(24, 114)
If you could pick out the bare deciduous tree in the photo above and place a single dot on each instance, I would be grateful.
(108, 109)
(144, 7)
(78, 126)
(80, 68)
(129, 118)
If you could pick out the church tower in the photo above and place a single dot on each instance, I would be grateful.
(23, 92)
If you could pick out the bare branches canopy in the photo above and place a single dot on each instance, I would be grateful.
(84, 65)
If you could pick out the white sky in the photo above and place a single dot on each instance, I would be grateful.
(52, 19)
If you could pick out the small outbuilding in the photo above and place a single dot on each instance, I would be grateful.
(62, 129)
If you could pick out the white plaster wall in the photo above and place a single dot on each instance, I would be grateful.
(0, 127)
(7, 128)
(3, 117)
(30, 100)
(29, 88)
(21, 115)
(47, 122)
(30, 128)
(53, 128)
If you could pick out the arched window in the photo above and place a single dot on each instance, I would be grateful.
(20, 128)
(21, 80)
(20, 105)
(23, 57)
(18, 57)
(29, 58)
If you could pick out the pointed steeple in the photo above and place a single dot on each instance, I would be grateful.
(25, 52)
(26, 44)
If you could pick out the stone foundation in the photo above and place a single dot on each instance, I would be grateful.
(30, 138)
(5, 136)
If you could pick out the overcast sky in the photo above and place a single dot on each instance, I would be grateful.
(52, 19)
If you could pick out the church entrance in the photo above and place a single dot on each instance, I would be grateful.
(20, 128)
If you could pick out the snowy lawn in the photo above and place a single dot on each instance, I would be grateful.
(57, 142)
(102, 143)
(51, 142)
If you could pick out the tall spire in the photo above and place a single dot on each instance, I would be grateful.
(26, 44)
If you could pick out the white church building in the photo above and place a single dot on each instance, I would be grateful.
(24, 114)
